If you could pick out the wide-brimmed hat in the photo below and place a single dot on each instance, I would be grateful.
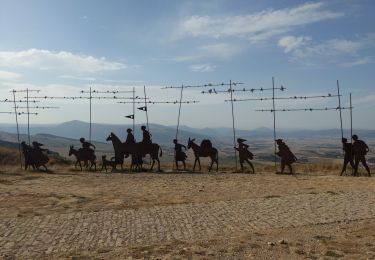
(279, 140)
(240, 140)
(355, 136)
(129, 130)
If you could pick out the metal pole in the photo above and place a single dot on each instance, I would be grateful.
(351, 129)
(28, 115)
(338, 94)
(234, 130)
(90, 116)
(274, 120)
(18, 132)
(144, 90)
(179, 111)
(133, 108)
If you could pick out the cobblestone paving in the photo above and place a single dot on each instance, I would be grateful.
(40, 236)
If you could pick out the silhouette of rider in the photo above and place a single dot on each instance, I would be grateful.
(146, 136)
(37, 147)
(360, 149)
(287, 157)
(129, 139)
(244, 153)
(86, 146)
(348, 155)
(179, 154)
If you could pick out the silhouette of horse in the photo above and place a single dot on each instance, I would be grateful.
(208, 152)
(136, 150)
(34, 157)
(83, 156)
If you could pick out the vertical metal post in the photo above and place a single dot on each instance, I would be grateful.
(90, 116)
(234, 130)
(338, 94)
(274, 120)
(133, 108)
(351, 128)
(144, 90)
(18, 132)
(179, 111)
(28, 114)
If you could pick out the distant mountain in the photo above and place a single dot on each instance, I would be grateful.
(222, 136)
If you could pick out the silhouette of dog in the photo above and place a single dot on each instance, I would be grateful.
(106, 163)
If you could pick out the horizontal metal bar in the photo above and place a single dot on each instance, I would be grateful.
(25, 90)
(38, 107)
(81, 97)
(204, 85)
(302, 109)
(214, 91)
(160, 102)
(108, 91)
(270, 98)
(18, 101)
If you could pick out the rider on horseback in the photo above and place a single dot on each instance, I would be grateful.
(146, 136)
(146, 141)
(129, 139)
(37, 147)
(86, 145)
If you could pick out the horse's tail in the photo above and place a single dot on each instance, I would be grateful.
(161, 151)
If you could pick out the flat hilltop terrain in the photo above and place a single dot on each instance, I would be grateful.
(68, 214)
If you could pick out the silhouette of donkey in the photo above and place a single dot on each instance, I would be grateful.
(136, 150)
(205, 150)
(83, 156)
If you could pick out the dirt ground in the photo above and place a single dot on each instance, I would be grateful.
(28, 195)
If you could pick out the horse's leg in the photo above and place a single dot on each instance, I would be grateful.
(153, 162)
(157, 159)
(199, 163)
(195, 162)
(212, 162)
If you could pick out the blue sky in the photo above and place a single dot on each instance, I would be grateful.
(62, 47)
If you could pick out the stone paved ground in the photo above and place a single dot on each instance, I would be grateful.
(40, 236)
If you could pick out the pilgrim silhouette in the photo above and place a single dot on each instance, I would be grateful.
(179, 154)
(244, 153)
(360, 149)
(287, 157)
(348, 155)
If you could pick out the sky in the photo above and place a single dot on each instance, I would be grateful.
(64, 47)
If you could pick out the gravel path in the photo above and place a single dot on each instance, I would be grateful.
(33, 237)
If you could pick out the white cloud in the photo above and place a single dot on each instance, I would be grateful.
(357, 62)
(337, 51)
(218, 50)
(60, 61)
(7, 75)
(290, 43)
(77, 77)
(255, 27)
(364, 100)
(202, 67)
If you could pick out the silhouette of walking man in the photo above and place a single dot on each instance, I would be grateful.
(348, 155)
(179, 154)
(360, 149)
(244, 153)
(287, 157)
